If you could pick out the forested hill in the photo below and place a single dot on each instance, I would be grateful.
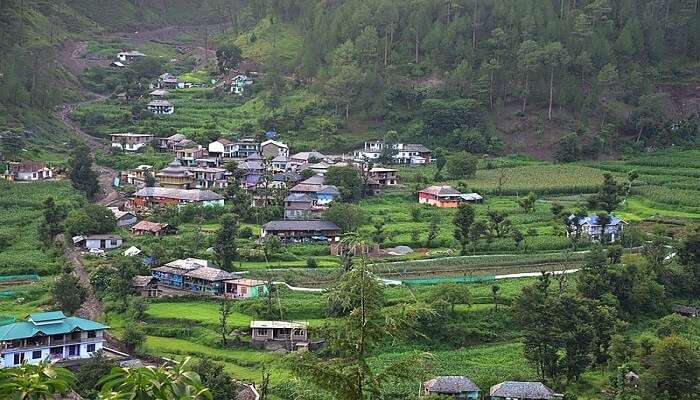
(485, 75)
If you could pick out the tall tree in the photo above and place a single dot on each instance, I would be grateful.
(225, 243)
(463, 219)
(81, 174)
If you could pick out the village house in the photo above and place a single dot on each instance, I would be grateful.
(167, 80)
(137, 176)
(126, 56)
(239, 83)
(131, 141)
(446, 197)
(686, 311)
(302, 231)
(192, 274)
(251, 170)
(132, 251)
(306, 157)
(188, 156)
(146, 286)
(457, 387)
(285, 179)
(272, 148)
(222, 148)
(591, 227)
(124, 218)
(209, 177)
(274, 335)
(245, 148)
(244, 288)
(175, 176)
(384, 176)
(315, 187)
(403, 153)
(154, 228)
(160, 93)
(28, 171)
(511, 390)
(301, 206)
(159, 196)
(103, 242)
(280, 163)
(160, 107)
(49, 336)
(171, 142)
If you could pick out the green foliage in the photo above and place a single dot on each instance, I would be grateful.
(347, 180)
(225, 244)
(92, 219)
(675, 369)
(91, 372)
(68, 293)
(347, 216)
(83, 177)
(460, 165)
(215, 378)
(40, 381)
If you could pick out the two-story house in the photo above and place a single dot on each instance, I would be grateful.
(222, 148)
(402, 153)
(272, 148)
(245, 148)
(192, 274)
(189, 155)
(49, 336)
(592, 227)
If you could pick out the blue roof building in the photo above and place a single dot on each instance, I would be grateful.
(49, 336)
(592, 227)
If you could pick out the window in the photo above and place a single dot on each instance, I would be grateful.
(92, 334)
(57, 337)
(36, 354)
(19, 358)
(262, 332)
(90, 348)
(56, 350)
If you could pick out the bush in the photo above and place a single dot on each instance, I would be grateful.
(311, 263)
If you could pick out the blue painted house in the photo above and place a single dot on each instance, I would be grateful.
(315, 187)
(192, 274)
(457, 387)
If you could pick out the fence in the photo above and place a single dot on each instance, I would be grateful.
(5, 279)
(455, 279)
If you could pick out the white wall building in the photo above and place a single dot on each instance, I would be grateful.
(49, 336)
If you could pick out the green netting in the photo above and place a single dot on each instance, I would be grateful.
(454, 279)
(9, 293)
(18, 278)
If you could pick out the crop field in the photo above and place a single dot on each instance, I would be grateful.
(21, 251)
(668, 184)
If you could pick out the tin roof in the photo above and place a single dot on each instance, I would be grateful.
(48, 323)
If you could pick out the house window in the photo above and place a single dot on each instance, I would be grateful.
(91, 348)
(73, 350)
(36, 354)
(19, 358)
(57, 337)
(91, 334)
(113, 242)
(262, 332)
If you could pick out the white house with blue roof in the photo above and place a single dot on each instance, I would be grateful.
(592, 227)
(49, 336)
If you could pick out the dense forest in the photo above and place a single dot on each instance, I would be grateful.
(438, 72)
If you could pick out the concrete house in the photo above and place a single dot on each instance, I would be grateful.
(273, 148)
(307, 157)
(160, 107)
(49, 336)
(28, 171)
(244, 288)
(209, 177)
(167, 80)
(281, 334)
(171, 142)
(592, 227)
(131, 141)
(457, 387)
(301, 206)
(159, 196)
(280, 163)
(192, 274)
(403, 153)
(103, 242)
(189, 155)
(252, 170)
(302, 231)
(511, 390)
(384, 176)
(446, 197)
(245, 148)
(146, 286)
(222, 148)
(125, 56)
(124, 218)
